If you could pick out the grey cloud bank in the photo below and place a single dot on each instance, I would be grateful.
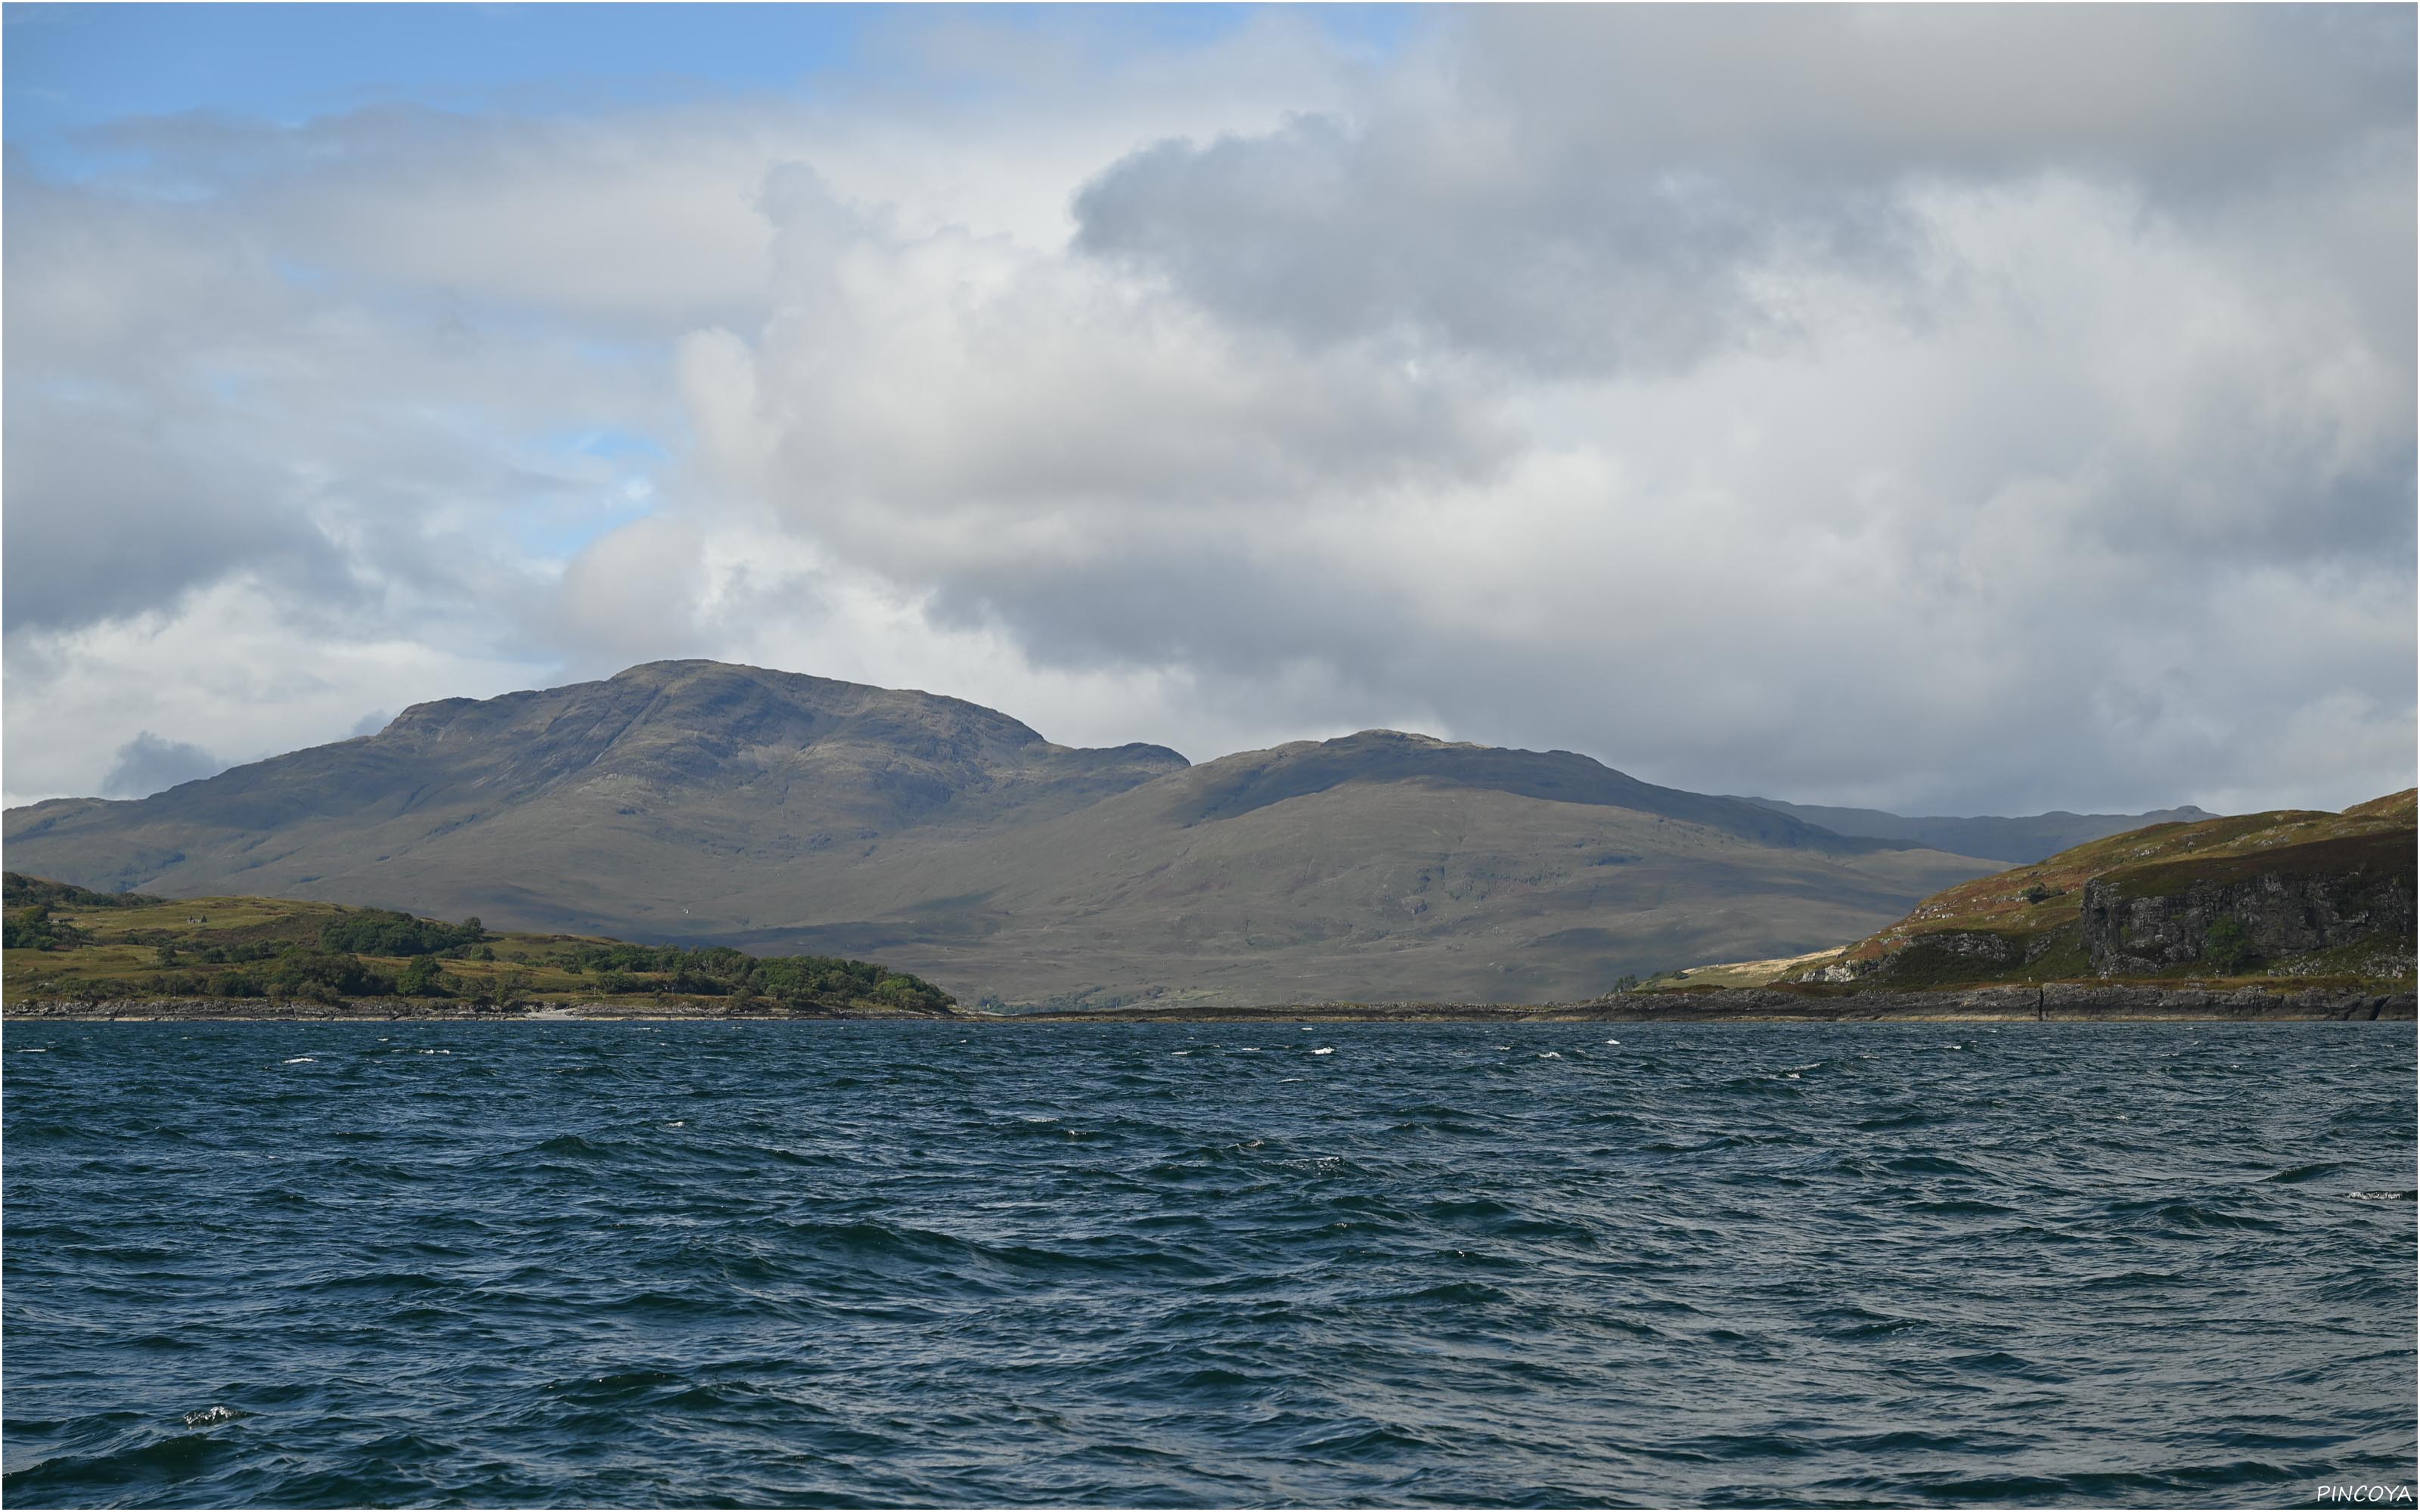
(149, 765)
(1961, 410)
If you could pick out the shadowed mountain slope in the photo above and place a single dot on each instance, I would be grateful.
(698, 802)
(2025, 838)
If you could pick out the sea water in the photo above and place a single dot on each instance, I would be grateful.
(1211, 1265)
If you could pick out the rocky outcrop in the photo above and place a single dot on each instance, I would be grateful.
(1944, 956)
(2236, 912)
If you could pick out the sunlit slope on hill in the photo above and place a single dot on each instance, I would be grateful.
(66, 946)
(2289, 894)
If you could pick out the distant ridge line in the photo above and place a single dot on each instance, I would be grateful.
(2022, 840)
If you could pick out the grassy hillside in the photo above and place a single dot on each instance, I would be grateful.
(65, 943)
(2343, 880)
(788, 814)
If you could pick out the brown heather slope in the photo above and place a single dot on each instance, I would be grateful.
(697, 802)
(2291, 894)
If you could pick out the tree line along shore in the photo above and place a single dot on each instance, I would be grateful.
(73, 952)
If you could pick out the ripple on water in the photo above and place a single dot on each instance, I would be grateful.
(1133, 1264)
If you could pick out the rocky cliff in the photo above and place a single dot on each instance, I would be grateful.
(2289, 894)
(2351, 895)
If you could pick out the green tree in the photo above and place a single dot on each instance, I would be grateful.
(385, 932)
(325, 977)
(2226, 945)
(33, 929)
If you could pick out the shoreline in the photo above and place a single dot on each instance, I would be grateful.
(2063, 1003)
(390, 1011)
(2058, 1003)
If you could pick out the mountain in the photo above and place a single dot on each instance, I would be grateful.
(693, 762)
(2021, 839)
(2289, 894)
(698, 802)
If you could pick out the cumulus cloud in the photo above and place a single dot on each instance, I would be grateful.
(1973, 409)
(1639, 187)
(959, 410)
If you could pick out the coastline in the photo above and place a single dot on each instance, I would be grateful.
(2058, 1003)
(395, 1010)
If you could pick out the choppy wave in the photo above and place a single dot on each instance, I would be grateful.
(1095, 1264)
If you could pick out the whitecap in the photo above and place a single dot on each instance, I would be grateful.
(44, 1050)
(209, 1415)
(1613, 1041)
(1324, 1050)
(300, 1060)
(1551, 1054)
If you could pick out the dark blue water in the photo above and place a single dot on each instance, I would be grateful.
(915, 1263)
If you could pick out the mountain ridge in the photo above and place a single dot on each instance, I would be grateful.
(2020, 839)
(696, 801)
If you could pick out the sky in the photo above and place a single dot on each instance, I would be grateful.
(1973, 409)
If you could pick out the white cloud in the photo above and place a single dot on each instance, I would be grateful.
(231, 670)
(1937, 409)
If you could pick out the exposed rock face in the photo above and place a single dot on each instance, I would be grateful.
(2292, 901)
